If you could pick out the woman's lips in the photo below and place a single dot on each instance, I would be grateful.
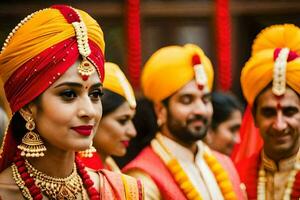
(84, 130)
(125, 143)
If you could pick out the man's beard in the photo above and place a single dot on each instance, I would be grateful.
(185, 132)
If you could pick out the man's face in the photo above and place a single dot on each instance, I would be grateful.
(278, 119)
(189, 113)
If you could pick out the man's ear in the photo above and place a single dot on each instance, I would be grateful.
(161, 113)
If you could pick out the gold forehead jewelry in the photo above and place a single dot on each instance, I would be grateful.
(86, 68)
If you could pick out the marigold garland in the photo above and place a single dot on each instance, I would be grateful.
(183, 180)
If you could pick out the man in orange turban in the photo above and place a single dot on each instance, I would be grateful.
(270, 82)
(177, 164)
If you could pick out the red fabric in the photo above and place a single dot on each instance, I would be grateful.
(44, 69)
(228, 166)
(196, 59)
(94, 162)
(167, 185)
(296, 187)
(68, 12)
(292, 55)
(134, 42)
(223, 28)
(248, 171)
(251, 141)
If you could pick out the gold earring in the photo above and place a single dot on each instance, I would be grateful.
(32, 145)
(88, 153)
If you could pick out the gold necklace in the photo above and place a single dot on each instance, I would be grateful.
(57, 188)
(183, 180)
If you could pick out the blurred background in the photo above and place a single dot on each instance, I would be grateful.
(169, 22)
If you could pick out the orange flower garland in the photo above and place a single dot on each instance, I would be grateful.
(182, 178)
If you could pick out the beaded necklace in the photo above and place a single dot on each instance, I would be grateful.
(31, 187)
(261, 185)
(182, 178)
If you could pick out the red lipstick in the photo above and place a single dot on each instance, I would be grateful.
(126, 143)
(84, 130)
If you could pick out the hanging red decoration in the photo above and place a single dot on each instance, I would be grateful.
(133, 42)
(223, 34)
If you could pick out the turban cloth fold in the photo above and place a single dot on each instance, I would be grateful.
(170, 68)
(258, 71)
(38, 51)
(116, 81)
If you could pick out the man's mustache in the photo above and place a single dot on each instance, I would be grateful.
(198, 118)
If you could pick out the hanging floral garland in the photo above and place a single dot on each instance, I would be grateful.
(133, 42)
(223, 34)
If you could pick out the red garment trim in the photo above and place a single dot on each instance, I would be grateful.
(140, 188)
(68, 12)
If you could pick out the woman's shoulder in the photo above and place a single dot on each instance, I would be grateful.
(115, 182)
(8, 186)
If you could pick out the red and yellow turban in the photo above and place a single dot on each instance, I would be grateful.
(38, 51)
(170, 68)
(258, 71)
(116, 81)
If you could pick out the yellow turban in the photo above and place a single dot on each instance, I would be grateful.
(31, 41)
(258, 71)
(170, 68)
(116, 81)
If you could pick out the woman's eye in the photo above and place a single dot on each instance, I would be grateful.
(96, 95)
(68, 95)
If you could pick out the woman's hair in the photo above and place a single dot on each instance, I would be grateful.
(224, 104)
(111, 101)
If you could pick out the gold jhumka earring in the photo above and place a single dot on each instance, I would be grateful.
(32, 145)
(88, 153)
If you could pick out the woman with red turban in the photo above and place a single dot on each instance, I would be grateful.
(52, 70)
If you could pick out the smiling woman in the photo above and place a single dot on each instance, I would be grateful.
(52, 67)
(116, 128)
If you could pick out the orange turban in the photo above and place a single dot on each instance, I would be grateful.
(116, 81)
(258, 71)
(40, 43)
(170, 68)
(45, 29)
